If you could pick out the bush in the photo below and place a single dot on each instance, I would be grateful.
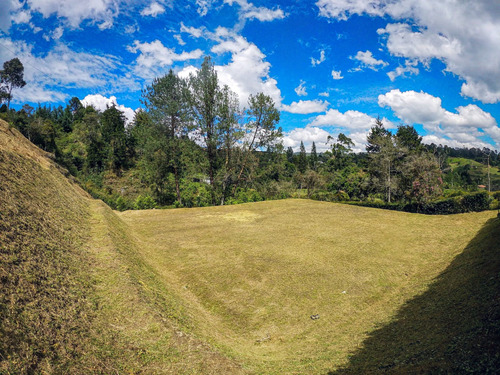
(123, 204)
(476, 202)
(144, 202)
(195, 194)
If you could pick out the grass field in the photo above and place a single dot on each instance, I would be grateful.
(231, 290)
(252, 275)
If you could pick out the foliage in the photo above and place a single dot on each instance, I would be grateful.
(144, 203)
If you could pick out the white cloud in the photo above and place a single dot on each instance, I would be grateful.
(49, 76)
(155, 56)
(102, 103)
(250, 11)
(75, 11)
(353, 120)
(343, 9)
(300, 90)
(403, 70)
(179, 39)
(307, 135)
(306, 106)
(337, 74)
(325, 94)
(428, 139)
(247, 72)
(55, 34)
(153, 10)
(467, 125)
(315, 62)
(464, 35)
(367, 60)
(203, 6)
(193, 31)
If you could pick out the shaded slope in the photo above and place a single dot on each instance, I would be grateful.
(75, 297)
(453, 327)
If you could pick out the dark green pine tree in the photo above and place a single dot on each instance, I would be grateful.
(313, 158)
(302, 159)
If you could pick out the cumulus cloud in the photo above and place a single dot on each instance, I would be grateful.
(154, 57)
(409, 68)
(337, 74)
(343, 9)
(102, 103)
(367, 60)
(315, 62)
(75, 11)
(349, 120)
(193, 31)
(250, 11)
(247, 72)
(467, 125)
(464, 35)
(153, 10)
(62, 68)
(300, 90)
(307, 135)
(306, 106)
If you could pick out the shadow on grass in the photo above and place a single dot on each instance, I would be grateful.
(453, 327)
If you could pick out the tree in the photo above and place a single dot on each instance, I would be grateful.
(341, 152)
(383, 154)
(378, 131)
(10, 77)
(260, 131)
(302, 159)
(166, 101)
(204, 101)
(115, 138)
(408, 138)
(313, 158)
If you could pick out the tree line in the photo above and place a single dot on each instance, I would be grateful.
(192, 144)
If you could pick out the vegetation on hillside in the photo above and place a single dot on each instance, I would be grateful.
(193, 145)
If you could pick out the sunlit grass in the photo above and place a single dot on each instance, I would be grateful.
(252, 275)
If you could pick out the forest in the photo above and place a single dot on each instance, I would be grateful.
(192, 145)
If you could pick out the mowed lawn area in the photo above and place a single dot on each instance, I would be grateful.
(250, 276)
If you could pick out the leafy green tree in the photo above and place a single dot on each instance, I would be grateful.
(425, 176)
(166, 101)
(260, 130)
(115, 138)
(11, 77)
(383, 153)
(341, 152)
(204, 101)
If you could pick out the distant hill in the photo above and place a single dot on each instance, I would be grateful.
(478, 172)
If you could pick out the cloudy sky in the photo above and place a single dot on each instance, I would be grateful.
(330, 65)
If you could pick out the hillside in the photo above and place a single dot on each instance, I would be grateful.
(75, 297)
(232, 289)
(478, 172)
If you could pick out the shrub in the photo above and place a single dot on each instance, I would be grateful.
(144, 202)
(476, 202)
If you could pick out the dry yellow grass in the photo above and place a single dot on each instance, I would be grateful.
(252, 275)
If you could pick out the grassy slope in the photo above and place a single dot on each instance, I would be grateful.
(479, 171)
(75, 297)
(259, 271)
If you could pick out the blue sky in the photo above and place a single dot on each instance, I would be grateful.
(330, 65)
